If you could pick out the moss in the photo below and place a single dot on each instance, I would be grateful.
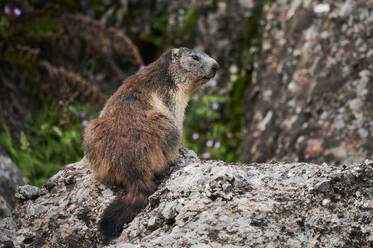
(152, 43)
(191, 21)
(158, 35)
(249, 40)
(236, 96)
(35, 27)
(4, 25)
(214, 5)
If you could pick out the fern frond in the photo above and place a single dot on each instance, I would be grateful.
(58, 77)
(99, 38)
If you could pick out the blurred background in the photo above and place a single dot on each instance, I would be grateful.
(295, 82)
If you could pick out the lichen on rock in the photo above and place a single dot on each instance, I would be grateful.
(214, 204)
(312, 76)
(206, 204)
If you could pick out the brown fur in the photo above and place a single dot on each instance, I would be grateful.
(138, 133)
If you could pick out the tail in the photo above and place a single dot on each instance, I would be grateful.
(121, 211)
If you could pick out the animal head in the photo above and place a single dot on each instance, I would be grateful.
(192, 68)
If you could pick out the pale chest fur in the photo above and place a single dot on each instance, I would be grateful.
(181, 102)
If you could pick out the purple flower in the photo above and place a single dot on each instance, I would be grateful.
(217, 144)
(7, 10)
(120, 77)
(195, 96)
(17, 11)
(214, 105)
(195, 136)
(206, 155)
(229, 135)
(213, 83)
(142, 67)
(209, 143)
(82, 114)
(85, 123)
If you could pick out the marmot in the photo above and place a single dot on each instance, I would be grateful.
(138, 132)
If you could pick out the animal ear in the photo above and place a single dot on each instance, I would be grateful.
(175, 54)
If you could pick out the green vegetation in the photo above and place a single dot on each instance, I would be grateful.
(68, 69)
(51, 66)
(157, 36)
(249, 40)
(208, 129)
(191, 21)
(54, 140)
(205, 130)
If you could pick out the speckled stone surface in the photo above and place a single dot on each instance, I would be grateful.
(214, 204)
(206, 204)
(312, 91)
(64, 213)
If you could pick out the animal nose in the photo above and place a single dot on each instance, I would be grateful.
(215, 67)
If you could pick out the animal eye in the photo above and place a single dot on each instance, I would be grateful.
(195, 57)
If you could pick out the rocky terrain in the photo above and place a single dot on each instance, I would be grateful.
(10, 178)
(310, 98)
(206, 204)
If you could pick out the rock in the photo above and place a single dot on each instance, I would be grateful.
(311, 91)
(206, 204)
(169, 212)
(10, 177)
(28, 192)
(186, 157)
(65, 214)
(66, 210)
(8, 234)
(271, 205)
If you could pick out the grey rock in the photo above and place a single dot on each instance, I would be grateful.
(326, 202)
(363, 133)
(347, 8)
(206, 204)
(169, 211)
(282, 205)
(28, 192)
(368, 161)
(8, 234)
(123, 246)
(323, 186)
(319, 58)
(66, 210)
(10, 178)
(154, 222)
(187, 156)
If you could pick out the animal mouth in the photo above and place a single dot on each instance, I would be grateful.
(210, 75)
(213, 71)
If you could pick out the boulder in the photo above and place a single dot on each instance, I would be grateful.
(310, 98)
(214, 204)
(208, 204)
(10, 177)
(64, 213)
